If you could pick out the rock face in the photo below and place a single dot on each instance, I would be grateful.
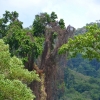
(51, 63)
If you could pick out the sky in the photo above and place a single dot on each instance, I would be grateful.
(77, 13)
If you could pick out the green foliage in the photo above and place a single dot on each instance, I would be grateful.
(44, 21)
(85, 66)
(62, 24)
(14, 90)
(39, 24)
(13, 37)
(71, 94)
(38, 27)
(39, 45)
(21, 42)
(13, 77)
(54, 35)
(53, 16)
(86, 44)
(2, 28)
(18, 72)
(8, 18)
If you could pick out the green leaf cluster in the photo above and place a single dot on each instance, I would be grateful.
(88, 44)
(62, 24)
(13, 77)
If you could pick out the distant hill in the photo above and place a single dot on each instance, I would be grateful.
(80, 87)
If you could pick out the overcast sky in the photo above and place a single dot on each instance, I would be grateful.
(74, 12)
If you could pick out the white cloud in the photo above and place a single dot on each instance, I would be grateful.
(74, 12)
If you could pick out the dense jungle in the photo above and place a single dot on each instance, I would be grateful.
(47, 60)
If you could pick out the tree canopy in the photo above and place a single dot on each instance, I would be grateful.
(13, 77)
(43, 21)
(88, 44)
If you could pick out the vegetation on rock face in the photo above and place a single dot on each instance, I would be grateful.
(43, 39)
(55, 35)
